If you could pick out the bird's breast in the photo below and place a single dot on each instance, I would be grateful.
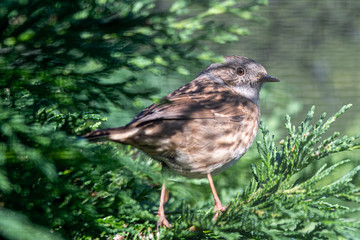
(207, 145)
(197, 146)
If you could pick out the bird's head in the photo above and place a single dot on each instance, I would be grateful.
(243, 75)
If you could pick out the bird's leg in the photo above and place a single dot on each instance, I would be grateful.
(162, 222)
(218, 206)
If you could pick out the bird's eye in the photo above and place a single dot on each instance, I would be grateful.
(240, 71)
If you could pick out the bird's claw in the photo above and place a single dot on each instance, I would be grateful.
(162, 222)
(217, 209)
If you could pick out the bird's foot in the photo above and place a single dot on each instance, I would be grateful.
(217, 209)
(162, 222)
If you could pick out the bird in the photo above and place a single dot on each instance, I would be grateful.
(202, 128)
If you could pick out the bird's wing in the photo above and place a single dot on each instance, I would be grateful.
(209, 103)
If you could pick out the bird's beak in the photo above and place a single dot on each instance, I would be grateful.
(268, 78)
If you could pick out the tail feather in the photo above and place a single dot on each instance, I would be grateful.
(120, 134)
(97, 134)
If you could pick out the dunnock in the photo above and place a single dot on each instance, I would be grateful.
(203, 127)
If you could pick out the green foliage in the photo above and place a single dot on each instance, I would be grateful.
(13, 226)
(56, 58)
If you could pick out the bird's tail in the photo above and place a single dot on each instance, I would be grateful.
(120, 134)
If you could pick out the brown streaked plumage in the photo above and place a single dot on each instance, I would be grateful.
(203, 127)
